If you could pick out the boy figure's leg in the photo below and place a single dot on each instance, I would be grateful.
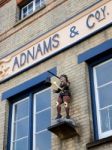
(66, 100)
(58, 105)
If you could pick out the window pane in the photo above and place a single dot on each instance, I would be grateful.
(104, 120)
(104, 73)
(42, 2)
(37, 1)
(21, 144)
(37, 4)
(43, 141)
(24, 11)
(43, 100)
(22, 128)
(30, 8)
(105, 96)
(43, 120)
(21, 110)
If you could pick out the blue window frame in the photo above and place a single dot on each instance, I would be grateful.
(102, 74)
(30, 117)
(99, 60)
(100, 68)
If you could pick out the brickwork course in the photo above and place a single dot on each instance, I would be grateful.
(15, 34)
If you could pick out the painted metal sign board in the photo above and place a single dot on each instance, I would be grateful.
(76, 29)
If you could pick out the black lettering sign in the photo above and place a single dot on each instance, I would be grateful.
(16, 63)
(38, 50)
(98, 16)
(22, 59)
(47, 46)
(30, 55)
(73, 32)
(55, 41)
(90, 24)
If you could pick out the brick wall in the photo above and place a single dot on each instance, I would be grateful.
(15, 36)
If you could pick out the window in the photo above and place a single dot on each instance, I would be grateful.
(32, 7)
(102, 74)
(42, 119)
(30, 118)
(20, 125)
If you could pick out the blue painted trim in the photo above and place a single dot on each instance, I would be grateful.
(30, 142)
(27, 85)
(93, 103)
(9, 127)
(95, 51)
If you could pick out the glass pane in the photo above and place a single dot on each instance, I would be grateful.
(37, 1)
(14, 146)
(30, 8)
(21, 110)
(21, 144)
(43, 120)
(42, 1)
(24, 12)
(37, 4)
(43, 141)
(104, 73)
(104, 120)
(105, 96)
(110, 116)
(43, 100)
(22, 128)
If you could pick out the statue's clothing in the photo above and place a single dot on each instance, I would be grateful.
(64, 97)
(65, 90)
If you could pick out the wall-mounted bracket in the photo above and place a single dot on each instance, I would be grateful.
(64, 128)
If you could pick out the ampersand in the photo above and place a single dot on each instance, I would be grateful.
(73, 32)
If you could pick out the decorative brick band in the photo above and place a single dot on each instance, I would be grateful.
(3, 2)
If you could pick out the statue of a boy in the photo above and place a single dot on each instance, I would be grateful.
(64, 96)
